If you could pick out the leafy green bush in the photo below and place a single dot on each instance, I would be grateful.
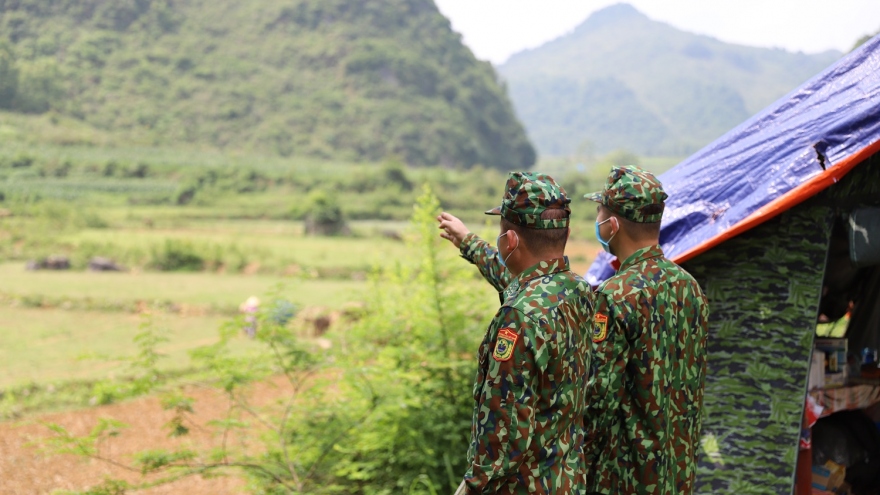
(323, 215)
(187, 256)
(176, 255)
(410, 372)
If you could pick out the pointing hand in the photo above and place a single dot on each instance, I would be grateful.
(454, 229)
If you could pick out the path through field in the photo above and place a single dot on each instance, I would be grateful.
(24, 470)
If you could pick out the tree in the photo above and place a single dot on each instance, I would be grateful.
(8, 77)
(323, 215)
(38, 88)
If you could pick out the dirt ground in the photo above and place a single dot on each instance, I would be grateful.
(25, 470)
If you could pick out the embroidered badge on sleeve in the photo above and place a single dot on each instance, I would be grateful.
(504, 345)
(600, 327)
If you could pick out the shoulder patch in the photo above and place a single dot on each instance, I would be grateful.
(600, 327)
(504, 344)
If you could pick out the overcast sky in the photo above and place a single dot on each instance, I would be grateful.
(496, 29)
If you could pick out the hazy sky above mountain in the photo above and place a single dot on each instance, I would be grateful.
(496, 29)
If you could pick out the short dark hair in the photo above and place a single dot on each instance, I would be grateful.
(541, 241)
(640, 231)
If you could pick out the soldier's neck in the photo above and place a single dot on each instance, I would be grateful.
(627, 247)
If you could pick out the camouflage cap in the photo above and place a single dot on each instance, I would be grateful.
(528, 195)
(632, 193)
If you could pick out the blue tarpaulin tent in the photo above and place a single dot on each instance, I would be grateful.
(782, 156)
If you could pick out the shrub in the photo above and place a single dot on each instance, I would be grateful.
(410, 371)
(323, 216)
(176, 255)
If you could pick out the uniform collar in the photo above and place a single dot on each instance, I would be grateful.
(543, 268)
(642, 254)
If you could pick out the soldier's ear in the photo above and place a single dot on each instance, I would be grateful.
(512, 240)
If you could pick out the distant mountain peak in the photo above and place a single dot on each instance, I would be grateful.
(612, 14)
(622, 80)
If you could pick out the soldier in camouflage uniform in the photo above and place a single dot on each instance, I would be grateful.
(527, 432)
(649, 351)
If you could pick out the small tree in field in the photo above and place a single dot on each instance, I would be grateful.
(323, 215)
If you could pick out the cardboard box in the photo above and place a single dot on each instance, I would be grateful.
(835, 361)
(829, 477)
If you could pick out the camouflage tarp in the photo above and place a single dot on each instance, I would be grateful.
(764, 288)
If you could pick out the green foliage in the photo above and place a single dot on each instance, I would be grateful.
(89, 445)
(397, 421)
(108, 487)
(410, 375)
(156, 460)
(39, 87)
(176, 255)
(144, 364)
(52, 193)
(144, 372)
(182, 406)
(8, 76)
(322, 214)
(323, 78)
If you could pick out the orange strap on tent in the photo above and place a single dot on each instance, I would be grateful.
(785, 202)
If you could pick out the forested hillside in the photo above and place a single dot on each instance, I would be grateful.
(621, 80)
(363, 80)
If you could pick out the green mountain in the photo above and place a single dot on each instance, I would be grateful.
(621, 80)
(361, 80)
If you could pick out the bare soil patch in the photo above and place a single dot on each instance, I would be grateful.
(25, 470)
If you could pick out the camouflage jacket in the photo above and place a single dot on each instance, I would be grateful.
(485, 256)
(527, 431)
(649, 366)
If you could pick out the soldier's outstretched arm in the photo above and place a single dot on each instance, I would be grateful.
(475, 250)
(504, 421)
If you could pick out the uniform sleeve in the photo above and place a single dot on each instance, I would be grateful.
(700, 349)
(504, 422)
(486, 257)
(608, 374)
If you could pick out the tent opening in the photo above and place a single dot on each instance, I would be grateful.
(844, 375)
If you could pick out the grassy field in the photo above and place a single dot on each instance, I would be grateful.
(201, 289)
(47, 332)
(78, 201)
(276, 243)
(45, 346)
(76, 324)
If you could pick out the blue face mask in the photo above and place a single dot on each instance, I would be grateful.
(605, 244)
(501, 260)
